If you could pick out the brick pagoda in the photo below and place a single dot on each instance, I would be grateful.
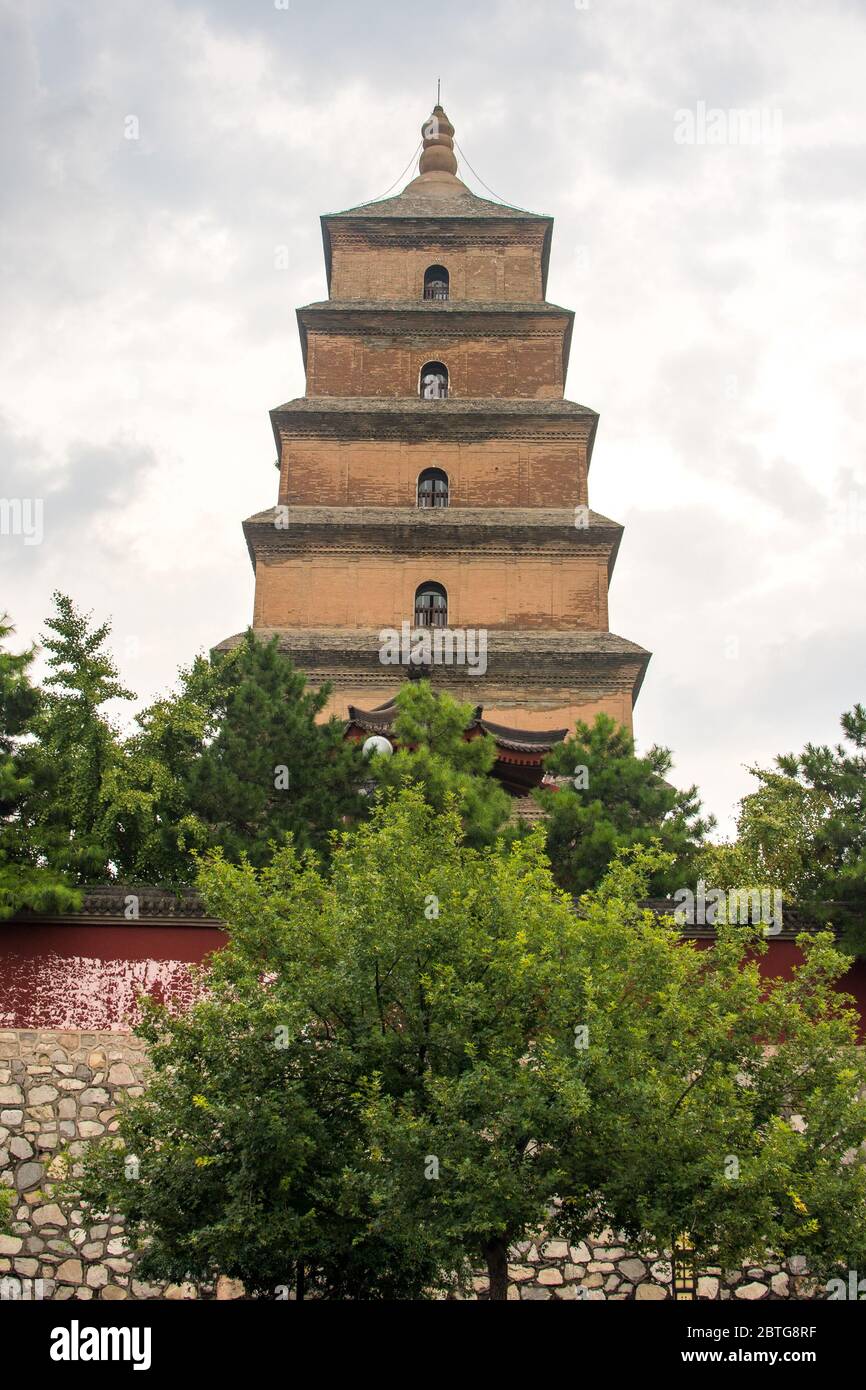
(434, 475)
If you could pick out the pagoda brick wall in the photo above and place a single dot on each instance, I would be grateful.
(482, 473)
(374, 591)
(509, 367)
(484, 271)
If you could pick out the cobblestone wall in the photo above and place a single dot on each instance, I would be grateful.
(602, 1268)
(59, 1089)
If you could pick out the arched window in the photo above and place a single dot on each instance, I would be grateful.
(431, 605)
(436, 282)
(433, 381)
(433, 488)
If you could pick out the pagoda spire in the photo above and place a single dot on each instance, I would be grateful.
(438, 153)
(437, 167)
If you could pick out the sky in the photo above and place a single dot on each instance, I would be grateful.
(162, 172)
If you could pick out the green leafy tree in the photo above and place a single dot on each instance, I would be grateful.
(612, 800)
(26, 881)
(777, 826)
(409, 1062)
(236, 756)
(434, 754)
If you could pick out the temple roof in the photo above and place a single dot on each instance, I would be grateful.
(524, 643)
(381, 720)
(410, 417)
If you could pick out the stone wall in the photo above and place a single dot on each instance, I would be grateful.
(601, 1268)
(59, 1089)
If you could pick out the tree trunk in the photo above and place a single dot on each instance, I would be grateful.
(497, 1268)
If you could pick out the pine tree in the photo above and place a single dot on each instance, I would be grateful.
(614, 799)
(267, 767)
(836, 779)
(160, 828)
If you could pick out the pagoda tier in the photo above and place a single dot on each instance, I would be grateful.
(358, 451)
(498, 350)
(433, 478)
(539, 676)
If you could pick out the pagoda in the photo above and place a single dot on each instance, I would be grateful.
(433, 495)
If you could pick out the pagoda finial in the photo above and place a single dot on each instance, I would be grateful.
(438, 153)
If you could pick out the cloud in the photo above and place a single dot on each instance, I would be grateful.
(147, 329)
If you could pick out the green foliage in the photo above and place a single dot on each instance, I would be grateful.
(458, 1049)
(615, 800)
(76, 764)
(160, 830)
(6, 1203)
(234, 757)
(775, 842)
(434, 754)
(834, 780)
(804, 831)
(267, 769)
(25, 880)
(736, 1103)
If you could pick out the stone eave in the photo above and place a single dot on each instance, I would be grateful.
(414, 530)
(533, 656)
(517, 642)
(369, 417)
(375, 314)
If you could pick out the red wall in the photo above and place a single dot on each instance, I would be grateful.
(86, 978)
(782, 956)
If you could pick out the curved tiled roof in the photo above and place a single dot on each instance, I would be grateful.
(381, 721)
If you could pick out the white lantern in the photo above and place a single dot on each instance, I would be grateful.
(379, 745)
